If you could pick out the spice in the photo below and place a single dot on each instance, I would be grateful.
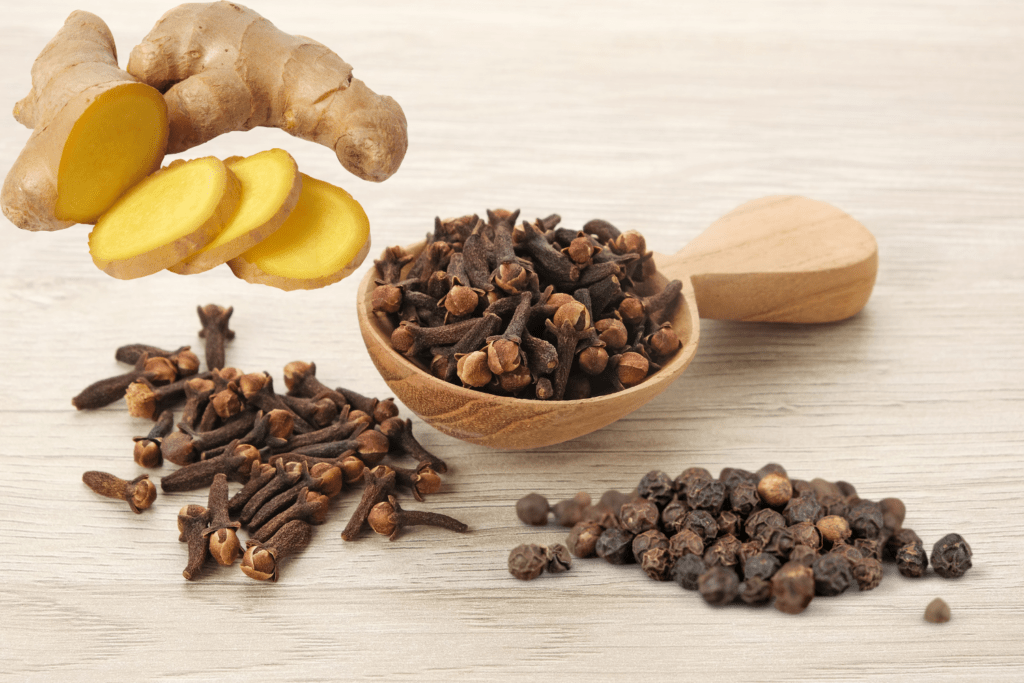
(747, 550)
(527, 561)
(615, 546)
(147, 448)
(912, 560)
(106, 391)
(718, 585)
(192, 523)
(937, 611)
(139, 493)
(951, 556)
(793, 587)
(388, 519)
(562, 320)
(261, 560)
(558, 559)
(215, 331)
(533, 509)
(223, 541)
(582, 540)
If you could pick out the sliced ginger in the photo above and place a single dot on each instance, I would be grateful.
(271, 185)
(167, 217)
(325, 238)
(97, 131)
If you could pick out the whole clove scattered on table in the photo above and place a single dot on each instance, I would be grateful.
(744, 536)
(531, 310)
(293, 453)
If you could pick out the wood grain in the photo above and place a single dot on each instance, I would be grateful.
(659, 117)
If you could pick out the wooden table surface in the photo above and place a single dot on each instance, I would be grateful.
(908, 115)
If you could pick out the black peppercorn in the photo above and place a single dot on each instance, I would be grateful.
(805, 533)
(638, 515)
(804, 555)
(868, 573)
(744, 499)
(527, 561)
(614, 500)
(558, 559)
(869, 547)
(733, 476)
(805, 508)
(951, 556)
(706, 494)
(832, 574)
(687, 569)
(761, 520)
(748, 549)
(761, 565)
(898, 540)
(724, 551)
(686, 542)
(728, 523)
(648, 540)
(865, 519)
(771, 468)
(718, 586)
(912, 560)
(657, 487)
(778, 541)
(689, 475)
(793, 587)
(937, 611)
(615, 546)
(533, 509)
(673, 516)
(755, 591)
(701, 523)
(657, 563)
(568, 512)
(583, 538)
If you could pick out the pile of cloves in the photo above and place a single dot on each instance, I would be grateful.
(531, 310)
(749, 536)
(293, 453)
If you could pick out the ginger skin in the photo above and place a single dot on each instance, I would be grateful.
(222, 67)
(97, 131)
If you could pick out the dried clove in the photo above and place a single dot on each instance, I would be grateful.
(402, 441)
(261, 559)
(237, 462)
(309, 506)
(106, 391)
(139, 493)
(379, 484)
(214, 320)
(223, 542)
(192, 523)
(387, 518)
(147, 448)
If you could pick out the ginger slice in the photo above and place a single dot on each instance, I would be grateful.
(223, 67)
(165, 218)
(271, 186)
(97, 131)
(325, 238)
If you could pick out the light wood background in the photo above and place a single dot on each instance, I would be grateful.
(908, 115)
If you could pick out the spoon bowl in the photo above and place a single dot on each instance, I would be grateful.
(775, 259)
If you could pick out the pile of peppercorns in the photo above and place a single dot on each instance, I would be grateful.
(751, 536)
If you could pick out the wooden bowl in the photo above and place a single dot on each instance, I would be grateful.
(775, 259)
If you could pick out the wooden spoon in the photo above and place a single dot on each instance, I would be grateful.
(775, 259)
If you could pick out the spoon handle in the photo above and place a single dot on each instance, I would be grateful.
(779, 259)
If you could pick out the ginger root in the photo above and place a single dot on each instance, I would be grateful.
(223, 67)
(271, 185)
(97, 131)
(325, 238)
(167, 217)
